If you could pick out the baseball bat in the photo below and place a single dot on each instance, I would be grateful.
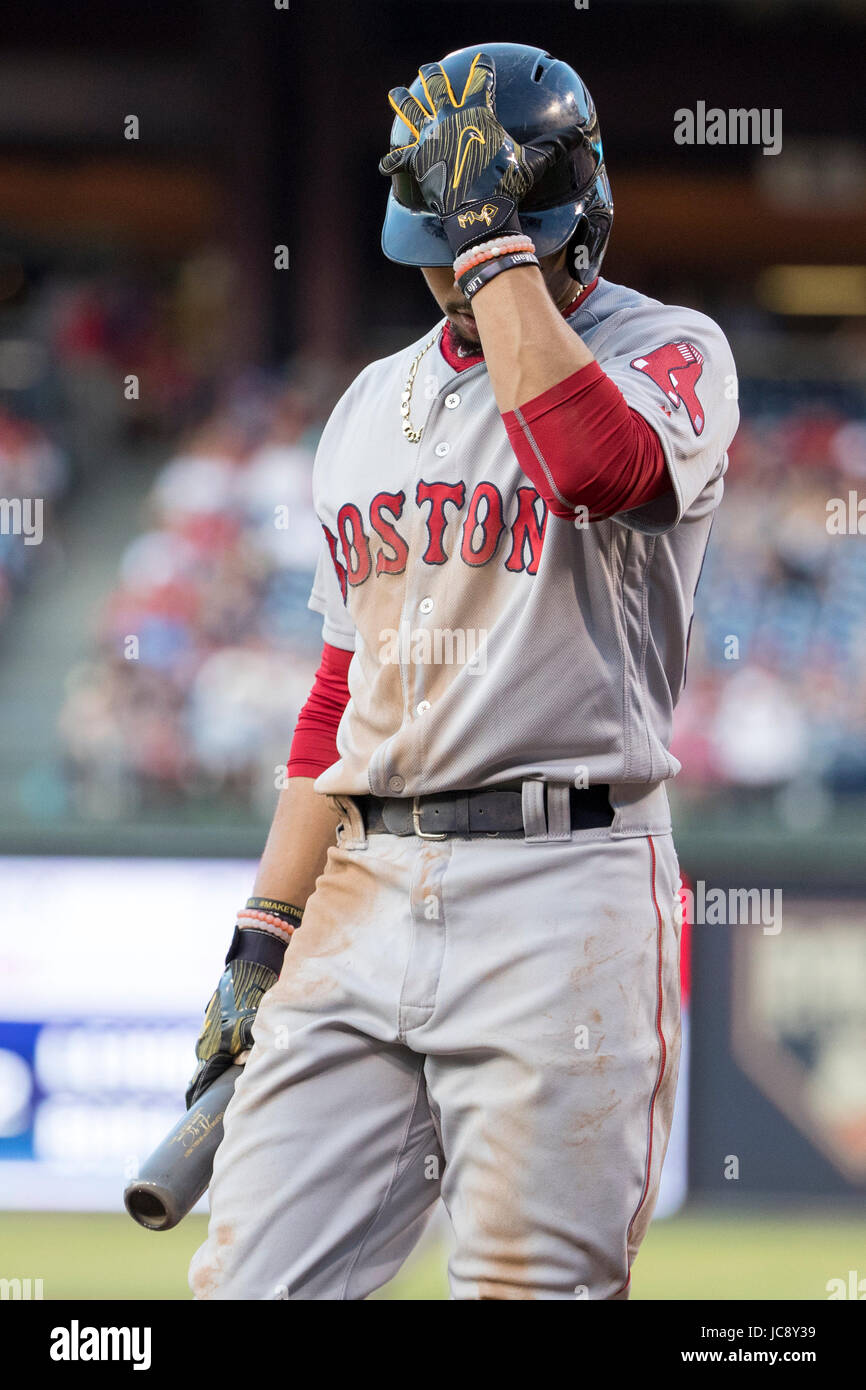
(179, 1169)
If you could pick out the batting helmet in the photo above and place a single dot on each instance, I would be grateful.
(570, 206)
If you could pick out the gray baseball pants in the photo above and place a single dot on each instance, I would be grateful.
(493, 1021)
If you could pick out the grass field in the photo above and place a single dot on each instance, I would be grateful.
(696, 1256)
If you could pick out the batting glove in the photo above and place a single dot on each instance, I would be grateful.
(253, 965)
(461, 157)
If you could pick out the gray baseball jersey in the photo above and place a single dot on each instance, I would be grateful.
(493, 640)
(495, 1021)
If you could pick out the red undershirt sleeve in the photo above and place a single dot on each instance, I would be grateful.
(580, 444)
(314, 745)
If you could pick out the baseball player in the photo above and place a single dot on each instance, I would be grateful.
(482, 1000)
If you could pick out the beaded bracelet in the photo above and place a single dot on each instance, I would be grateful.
(270, 915)
(489, 250)
(247, 922)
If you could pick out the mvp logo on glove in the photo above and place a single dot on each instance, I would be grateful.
(486, 215)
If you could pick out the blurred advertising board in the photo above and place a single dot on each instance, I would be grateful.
(105, 968)
(779, 1051)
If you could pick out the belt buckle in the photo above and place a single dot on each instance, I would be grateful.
(416, 823)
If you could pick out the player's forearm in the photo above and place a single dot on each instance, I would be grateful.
(303, 829)
(528, 346)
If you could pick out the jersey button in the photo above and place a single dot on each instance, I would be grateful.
(452, 401)
(396, 784)
(442, 449)
(426, 605)
(423, 707)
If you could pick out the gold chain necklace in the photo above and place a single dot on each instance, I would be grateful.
(413, 435)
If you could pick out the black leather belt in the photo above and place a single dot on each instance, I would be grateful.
(489, 812)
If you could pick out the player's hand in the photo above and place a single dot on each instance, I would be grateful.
(458, 151)
(228, 1021)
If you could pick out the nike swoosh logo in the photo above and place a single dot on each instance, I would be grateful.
(473, 134)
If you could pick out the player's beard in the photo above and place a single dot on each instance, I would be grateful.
(460, 337)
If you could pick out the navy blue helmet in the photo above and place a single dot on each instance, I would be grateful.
(570, 206)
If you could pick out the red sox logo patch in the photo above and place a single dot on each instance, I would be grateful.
(676, 368)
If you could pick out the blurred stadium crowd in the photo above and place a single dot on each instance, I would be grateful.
(206, 648)
(215, 589)
(776, 691)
